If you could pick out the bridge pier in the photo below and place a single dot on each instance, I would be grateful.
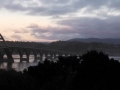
(51, 56)
(38, 55)
(46, 55)
(35, 55)
(41, 55)
(59, 54)
(66, 54)
(9, 55)
(1, 56)
(21, 53)
(26, 50)
(55, 56)
(6, 50)
(23, 59)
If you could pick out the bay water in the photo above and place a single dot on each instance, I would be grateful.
(20, 66)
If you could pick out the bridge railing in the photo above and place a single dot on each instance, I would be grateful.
(44, 49)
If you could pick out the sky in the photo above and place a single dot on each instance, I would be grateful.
(52, 20)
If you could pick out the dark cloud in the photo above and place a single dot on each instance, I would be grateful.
(10, 5)
(53, 7)
(101, 24)
(51, 2)
(94, 27)
(56, 7)
(80, 28)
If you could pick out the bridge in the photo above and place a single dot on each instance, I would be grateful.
(27, 51)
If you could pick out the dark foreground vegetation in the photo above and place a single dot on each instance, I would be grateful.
(92, 71)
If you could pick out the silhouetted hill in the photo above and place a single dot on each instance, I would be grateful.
(105, 40)
(71, 46)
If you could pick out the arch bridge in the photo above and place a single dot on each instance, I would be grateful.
(38, 53)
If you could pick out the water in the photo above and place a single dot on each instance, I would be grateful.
(115, 57)
(19, 66)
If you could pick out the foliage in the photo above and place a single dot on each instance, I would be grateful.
(92, 71)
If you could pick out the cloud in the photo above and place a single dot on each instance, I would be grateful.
(17, 37)
(73, 18)
(58, 7)
(76, 28)
(79, 28)
(94, 27)
(52, 33)
(23, 30)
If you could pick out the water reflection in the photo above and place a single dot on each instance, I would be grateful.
(19, 66)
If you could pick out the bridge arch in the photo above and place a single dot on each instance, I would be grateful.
(9, 51)
(6, 50)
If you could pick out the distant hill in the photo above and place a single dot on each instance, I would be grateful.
(88, 40)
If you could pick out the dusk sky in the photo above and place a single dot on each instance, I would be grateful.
(51, 20)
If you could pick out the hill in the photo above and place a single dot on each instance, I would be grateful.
(105, 40)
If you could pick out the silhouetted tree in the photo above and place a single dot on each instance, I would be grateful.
(92, 71)
(97, 72)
